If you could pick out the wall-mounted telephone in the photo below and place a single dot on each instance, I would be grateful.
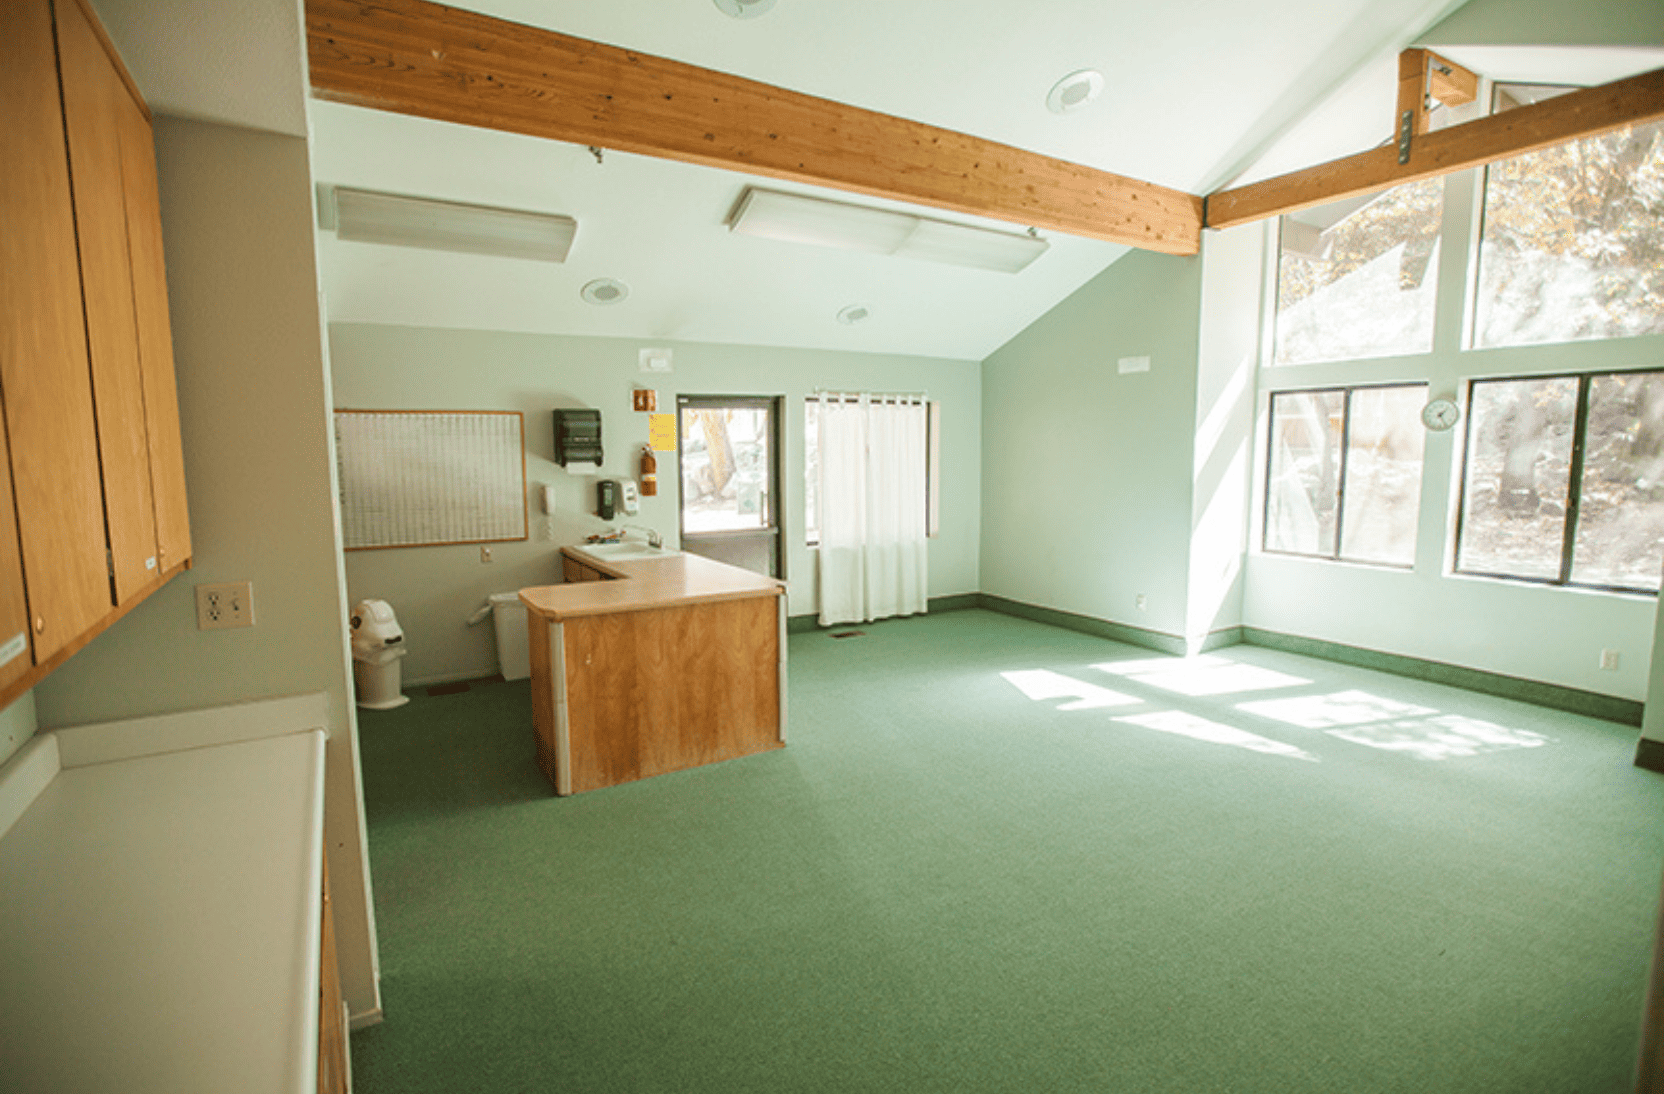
(546, 495)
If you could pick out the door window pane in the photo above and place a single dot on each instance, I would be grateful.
(1620, 515)
(1573, 241)
(1385, 439)
(1357, 278)
(725, 469)
(1303, 489)
(1518, 471)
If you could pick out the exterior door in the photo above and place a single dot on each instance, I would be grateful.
(729, 456)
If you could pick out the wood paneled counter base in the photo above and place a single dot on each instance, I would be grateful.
(653, 665)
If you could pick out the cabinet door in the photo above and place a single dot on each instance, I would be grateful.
(93, 97)
(43, 347)
(14, 609)
(150, 296)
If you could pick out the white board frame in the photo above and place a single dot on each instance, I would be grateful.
(430, 478)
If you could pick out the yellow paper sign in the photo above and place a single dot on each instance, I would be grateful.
(661, 432)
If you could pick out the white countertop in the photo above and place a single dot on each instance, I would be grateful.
(159, 920)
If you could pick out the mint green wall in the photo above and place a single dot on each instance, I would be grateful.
(435, 589)
(17, 724)
(1086, 472)
(254, 413)
(1226, 358)
(1533, 22)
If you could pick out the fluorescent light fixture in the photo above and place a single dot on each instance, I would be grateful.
(795, 218)
(368, 216)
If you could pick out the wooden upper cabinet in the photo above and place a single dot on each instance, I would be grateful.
(150, 296)
(44, 375)
(95, 102)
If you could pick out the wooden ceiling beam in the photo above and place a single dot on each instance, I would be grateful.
(432, 61)
(1569, 117)
(1424, 78)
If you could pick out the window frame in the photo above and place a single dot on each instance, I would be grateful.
(1346, 391)
(1481, 217)
(1574, 486)
(1273, 304)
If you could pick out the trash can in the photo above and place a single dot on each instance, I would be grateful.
(377, 645)
(508, 615)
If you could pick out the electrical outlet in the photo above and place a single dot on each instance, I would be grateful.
(1609, 660)
(219, 607)
(1143, 602)
(485, 554)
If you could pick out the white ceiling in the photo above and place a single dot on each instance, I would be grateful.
(1195, 91)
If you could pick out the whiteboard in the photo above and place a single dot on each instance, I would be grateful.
(413, 478)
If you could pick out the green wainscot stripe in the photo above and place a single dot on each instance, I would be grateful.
(798, 624)
(1554, 696)
(1650, 755)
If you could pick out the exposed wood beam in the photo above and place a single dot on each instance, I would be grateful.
(1450, 83)
(1569, 117)
(432, 61)
(1422, 76)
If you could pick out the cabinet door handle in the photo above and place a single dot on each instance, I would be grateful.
(40, 624)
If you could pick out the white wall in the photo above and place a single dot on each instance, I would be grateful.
(435, 589)
(254, 410)
(1087, 473)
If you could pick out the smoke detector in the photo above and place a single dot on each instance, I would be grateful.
(1075, 91)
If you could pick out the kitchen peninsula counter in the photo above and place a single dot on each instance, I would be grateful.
(643, 666)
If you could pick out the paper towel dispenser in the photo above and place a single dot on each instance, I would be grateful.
(577, 436)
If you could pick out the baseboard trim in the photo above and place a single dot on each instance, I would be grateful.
(1554, 696)
(1650, 755)
(1087, 624)
(364, 1019)
(957, 602)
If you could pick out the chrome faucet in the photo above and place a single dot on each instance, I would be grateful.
(654, 540)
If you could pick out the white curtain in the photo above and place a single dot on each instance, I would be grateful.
(873, 553)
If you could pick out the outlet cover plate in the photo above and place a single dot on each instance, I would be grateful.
(221, 607)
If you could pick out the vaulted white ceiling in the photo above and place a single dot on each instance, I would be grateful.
(1195, 91)
(1190, 89)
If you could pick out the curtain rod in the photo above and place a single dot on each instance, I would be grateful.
(886, 396)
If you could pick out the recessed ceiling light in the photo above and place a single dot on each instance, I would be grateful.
(743, 9)
(605, 290)
(853, 314)
(1075, 91)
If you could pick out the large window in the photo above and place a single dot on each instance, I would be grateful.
(1344, 476)
(1572, 245)
(1564, 480)
(1357, 278)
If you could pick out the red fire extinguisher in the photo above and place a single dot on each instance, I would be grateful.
(649, 472)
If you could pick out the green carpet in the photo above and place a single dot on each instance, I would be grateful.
(941, 884)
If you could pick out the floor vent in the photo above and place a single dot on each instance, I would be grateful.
(849, 634)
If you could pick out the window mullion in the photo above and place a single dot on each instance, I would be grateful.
(1574, 484)
(1340, 475)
